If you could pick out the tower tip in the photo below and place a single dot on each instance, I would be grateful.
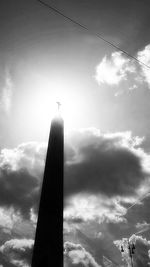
(59, 104)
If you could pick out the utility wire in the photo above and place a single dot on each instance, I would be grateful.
(136, 202)
(92, 32)
(143, 230)
(146, 228)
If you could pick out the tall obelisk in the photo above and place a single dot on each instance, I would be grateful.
(48, 247)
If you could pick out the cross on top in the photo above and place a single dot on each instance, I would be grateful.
(59, 104)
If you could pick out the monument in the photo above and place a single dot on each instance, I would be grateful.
(48, 247)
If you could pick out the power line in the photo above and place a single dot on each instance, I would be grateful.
(93, 33)
(143, 230)
(139, 199)
(147, 227)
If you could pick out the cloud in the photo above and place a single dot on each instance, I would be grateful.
(13, 224)
(29, 156)
(21, 171)
(118, 68)
(7, 218)
(76, 255)
(108, 164)
(6, 92)
(113, 70)
(23, 228)
(144, 56)
(105, 174)
(102, 171)
(18, 189)
(18, 251)
(141, 253)
(86, 235)
(82, 208)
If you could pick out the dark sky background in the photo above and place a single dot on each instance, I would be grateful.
(107, 116)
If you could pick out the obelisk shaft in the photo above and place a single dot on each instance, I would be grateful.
(49, 232)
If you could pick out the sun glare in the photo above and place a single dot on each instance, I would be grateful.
(45, 105)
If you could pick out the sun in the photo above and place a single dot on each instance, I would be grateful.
(47, 109)
(44, 105)
(40, 107)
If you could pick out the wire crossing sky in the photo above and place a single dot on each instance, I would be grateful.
(92, 32)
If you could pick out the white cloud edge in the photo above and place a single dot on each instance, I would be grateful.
(115, 69)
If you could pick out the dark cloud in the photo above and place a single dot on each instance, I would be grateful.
(18, 189)
(21, 171)
(69, 152)
(104, 165)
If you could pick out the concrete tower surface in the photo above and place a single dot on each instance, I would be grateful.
(48, 247)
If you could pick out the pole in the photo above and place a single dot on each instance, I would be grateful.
(130, 253)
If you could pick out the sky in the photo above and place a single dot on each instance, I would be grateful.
(105, 99)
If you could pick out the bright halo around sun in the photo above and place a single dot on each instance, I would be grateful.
(45, 106)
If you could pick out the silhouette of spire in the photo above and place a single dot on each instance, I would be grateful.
(48, 245)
